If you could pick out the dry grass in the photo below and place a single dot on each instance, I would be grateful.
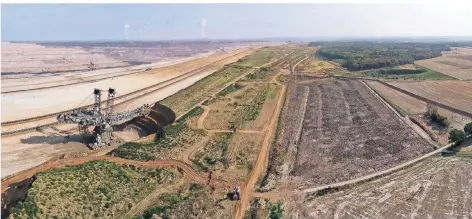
(228, 154)
(241, 108)
(314, 65)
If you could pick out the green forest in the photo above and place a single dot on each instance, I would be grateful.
(372, 55)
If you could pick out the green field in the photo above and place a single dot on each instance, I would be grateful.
(426, 74)
(96, 189)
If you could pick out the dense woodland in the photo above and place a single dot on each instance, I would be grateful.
(371, 55)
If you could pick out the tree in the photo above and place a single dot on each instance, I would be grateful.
(468, 128)
(431, 110)
(456, 136)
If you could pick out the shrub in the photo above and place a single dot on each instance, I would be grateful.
(468, 128)
(433, 114)
(276, 211)
(456, 136)
(231, 88)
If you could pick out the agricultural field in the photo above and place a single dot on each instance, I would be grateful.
(248, 107)
(456, 63)
(450, 93)
(438, 187)
(416, 110)
(96, 189)
(335, 130)
(398, 99)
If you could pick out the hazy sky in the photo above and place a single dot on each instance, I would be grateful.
(230, 21)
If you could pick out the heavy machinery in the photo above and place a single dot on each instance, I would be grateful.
(236, 195)
(102, 134)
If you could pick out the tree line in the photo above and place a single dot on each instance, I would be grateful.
(372, 55)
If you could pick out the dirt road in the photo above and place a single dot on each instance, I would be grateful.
(261, 162)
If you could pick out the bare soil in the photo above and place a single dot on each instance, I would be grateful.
(434, 188)
(346, 133)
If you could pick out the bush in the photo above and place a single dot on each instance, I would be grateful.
(468, 128)
(433, 114)
(276, 211)
(456, 136)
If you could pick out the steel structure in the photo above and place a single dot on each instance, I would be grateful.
(102, 120)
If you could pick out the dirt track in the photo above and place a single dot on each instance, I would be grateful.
(261, 163)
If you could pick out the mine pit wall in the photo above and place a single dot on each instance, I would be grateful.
(15, 193)
(159, 117)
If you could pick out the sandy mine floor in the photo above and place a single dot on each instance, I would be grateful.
(33, 58)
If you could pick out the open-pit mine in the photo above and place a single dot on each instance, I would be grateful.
(227, 130)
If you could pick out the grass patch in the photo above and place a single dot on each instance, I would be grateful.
(259, 74)
(214, 153)
(97, 189)
(191, 201)
(272, 92)
(190, 96)
(195, 112)
(408, 74)
(251, 111)
(260, 57)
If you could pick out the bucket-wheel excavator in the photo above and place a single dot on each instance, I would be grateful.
(102, 134)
